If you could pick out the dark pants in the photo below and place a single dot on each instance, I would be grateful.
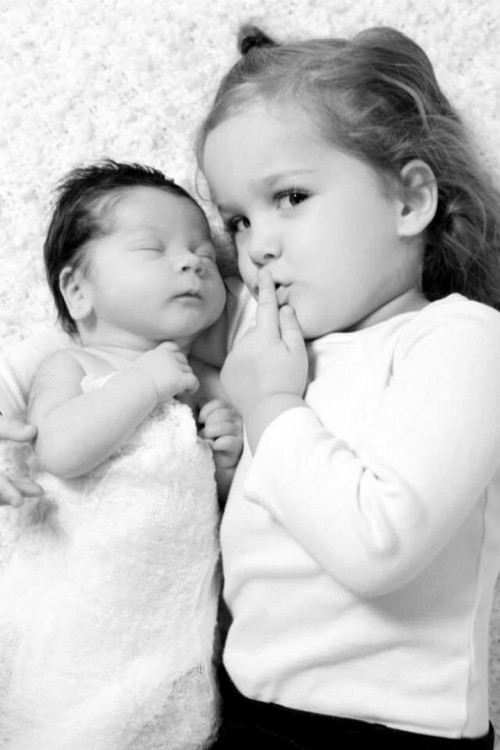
(252, 725)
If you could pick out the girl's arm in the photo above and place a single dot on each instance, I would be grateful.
(77, 431)
(374, 517)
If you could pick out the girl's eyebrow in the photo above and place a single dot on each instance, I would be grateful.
(270, 181)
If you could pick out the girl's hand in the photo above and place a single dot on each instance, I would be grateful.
(13, 491)
(223, 426)
(169, 370)
(270, 359)
(266, 372)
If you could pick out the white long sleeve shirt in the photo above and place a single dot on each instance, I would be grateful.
(362, 543)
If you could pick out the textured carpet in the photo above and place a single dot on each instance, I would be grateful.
(130, 79)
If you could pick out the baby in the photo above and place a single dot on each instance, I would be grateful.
(109, 598)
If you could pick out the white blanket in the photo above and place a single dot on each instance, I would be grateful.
(131, 79)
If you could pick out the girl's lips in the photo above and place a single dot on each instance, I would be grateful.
(282, 294)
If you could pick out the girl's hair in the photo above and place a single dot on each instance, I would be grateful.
(79, 216)
(377, 97)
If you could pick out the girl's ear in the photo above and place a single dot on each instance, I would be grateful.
(76, 290)
(419, 199)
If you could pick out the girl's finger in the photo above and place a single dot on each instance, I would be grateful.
(290, 329)
(267, 315)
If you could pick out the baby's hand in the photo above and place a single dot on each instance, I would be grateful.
(223, 426)
(169, 370)
(14, 490)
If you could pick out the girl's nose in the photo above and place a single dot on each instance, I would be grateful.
(263, 247)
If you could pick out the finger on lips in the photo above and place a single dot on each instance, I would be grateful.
(267, 315)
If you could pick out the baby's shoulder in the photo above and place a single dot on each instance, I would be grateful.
(75, 361)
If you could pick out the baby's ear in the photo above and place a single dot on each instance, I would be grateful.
(76, 291)
(419, 198)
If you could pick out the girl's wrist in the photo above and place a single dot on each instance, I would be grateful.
(258, 417)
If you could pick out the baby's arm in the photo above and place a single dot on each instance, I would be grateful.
(77, 431)
(14, 489)
(18, 364)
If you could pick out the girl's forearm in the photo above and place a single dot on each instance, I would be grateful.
(79, 434)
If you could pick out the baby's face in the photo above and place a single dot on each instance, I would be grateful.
(153, 275)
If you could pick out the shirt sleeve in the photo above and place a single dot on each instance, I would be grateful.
(18, 365)
(374, 518)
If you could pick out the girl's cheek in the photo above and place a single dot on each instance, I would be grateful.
(247, 270)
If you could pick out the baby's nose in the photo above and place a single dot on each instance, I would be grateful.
(191, 262)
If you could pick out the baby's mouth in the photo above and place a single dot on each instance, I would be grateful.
(193, 293)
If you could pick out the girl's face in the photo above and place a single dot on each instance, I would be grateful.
(153, 275)
(317, 217)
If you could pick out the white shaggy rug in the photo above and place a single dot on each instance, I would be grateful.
(130, 79)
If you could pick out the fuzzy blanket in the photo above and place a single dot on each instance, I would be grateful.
(131, 80)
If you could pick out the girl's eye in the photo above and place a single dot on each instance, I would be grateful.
(291, 198)
(237, 224)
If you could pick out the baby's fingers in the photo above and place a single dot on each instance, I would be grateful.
(212, 407)
(9, 495)
(13, 429)
(227, 451)
(27, 487)
(13, 492)
(168, 346)
(220, 427)
(221, 420)
(227, 444)
(190, 383)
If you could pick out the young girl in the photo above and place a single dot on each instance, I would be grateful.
(108, 602)
(361, 539)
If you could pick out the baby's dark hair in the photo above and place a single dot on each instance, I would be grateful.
(79, 216)
(376, 96)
